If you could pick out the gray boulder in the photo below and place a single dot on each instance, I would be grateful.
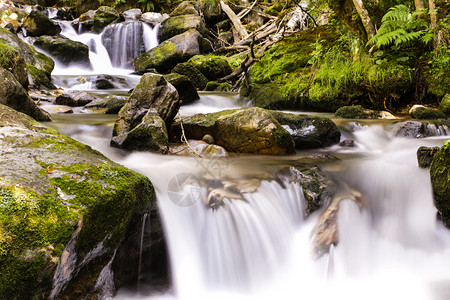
(152, 95)
(13, 94)
(186, 8)
(74, 98)
(108, 105)
(170, 52)
(421, 129)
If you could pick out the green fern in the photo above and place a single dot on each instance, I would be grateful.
(401, 28)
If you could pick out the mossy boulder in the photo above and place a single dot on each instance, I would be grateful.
(186, 90)
(246, 130)
(11, 60)
(218, 86)
(66, 51)
(108, 105)
(104, 16)
(440, 181)
(65, 211)
(197, 78)
(153, 95)
(213, 67)
(425, 156)
(186, 8)
(426, 113)
(357, 112)
(212, 11)
(178, 24)
(39, 66)
(37, 24)
(309, 131)
(444, 106)
(13, 94)
(169, 53)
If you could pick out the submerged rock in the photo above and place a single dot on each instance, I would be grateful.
(13, 94)
(247, 130)
(440, 179)
(65, 213)
(66, 51)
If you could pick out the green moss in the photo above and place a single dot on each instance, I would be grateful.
(217, 86)
(40, 77)
(440, 180)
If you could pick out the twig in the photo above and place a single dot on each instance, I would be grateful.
(184, 139)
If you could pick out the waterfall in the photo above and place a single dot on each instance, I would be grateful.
(144, 222)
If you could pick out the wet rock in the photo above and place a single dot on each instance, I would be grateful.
(108, 105)
(186, 90)
(213, 67)
(421, 129)
(66, 51)
(444, 106)
(425, 156)
(104, 84)
(421, 112)
(198, 79)
(325, 233)
(152, 95)
(104, 16)
(37, 24)
(149, 135)
(152, 17)
(179, 24)
(247, 130)
(13, 94)
(440, 176)
(39, 66)
(199, 148)
(166, 55)
(309, 131)
(84, 205)
(57, 109)
(317, 186)
(347, 143)
(320, 157)
(74, 98)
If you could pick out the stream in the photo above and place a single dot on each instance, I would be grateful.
(260, 247)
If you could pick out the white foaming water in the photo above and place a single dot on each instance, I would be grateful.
(210, 102)
(260, 247)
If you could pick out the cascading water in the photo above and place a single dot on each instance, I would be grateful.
(259, 247)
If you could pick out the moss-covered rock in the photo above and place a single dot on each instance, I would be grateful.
(197, 78)
(440, 180)
(218, 86)
(64, 211)
(37, 24)
(15, 96)
(426, 113)
(212, 11)
(104, 16)
(357, 112)
(186, 90)
(247, 130)
(425, 156)
(213, 67)
(39, 66)
(66, 51)
(11, 60)
(444, 106)
(186, 8)
(178, 24)
(169, 53)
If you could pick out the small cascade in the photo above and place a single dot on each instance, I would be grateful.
(143, 230)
